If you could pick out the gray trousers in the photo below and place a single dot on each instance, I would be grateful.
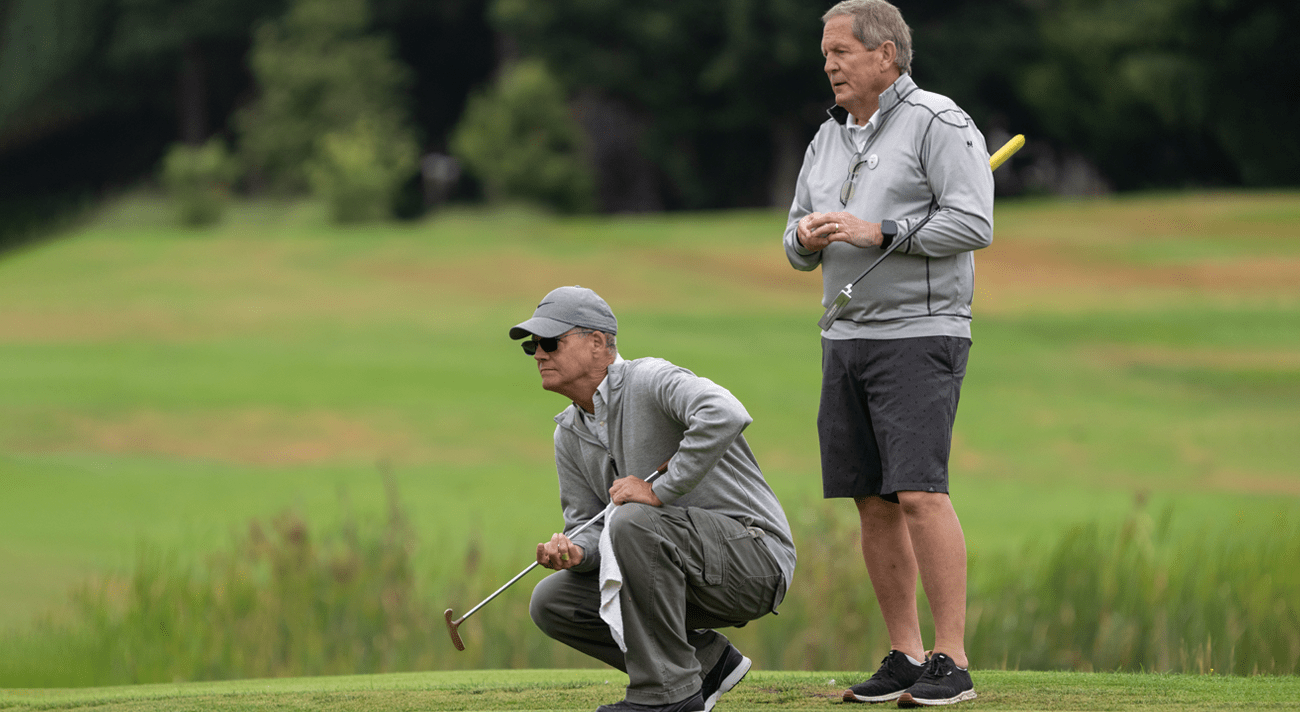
(685, 572)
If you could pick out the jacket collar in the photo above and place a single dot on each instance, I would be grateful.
(614, 379)
(889, 99)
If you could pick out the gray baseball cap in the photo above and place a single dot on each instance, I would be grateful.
(565, 308)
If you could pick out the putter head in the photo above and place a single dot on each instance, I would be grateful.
(833, 311)
(451, 628)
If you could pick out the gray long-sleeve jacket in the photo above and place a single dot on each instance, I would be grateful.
(655, 411)
(925, 156)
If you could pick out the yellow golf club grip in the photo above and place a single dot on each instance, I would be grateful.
(1006, 151)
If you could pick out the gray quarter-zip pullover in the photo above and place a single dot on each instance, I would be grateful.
(924, 159)
(654, 410)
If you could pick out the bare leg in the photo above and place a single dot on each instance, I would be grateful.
(887, 551)
(939, 547)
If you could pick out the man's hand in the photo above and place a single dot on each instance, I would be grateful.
(812, 233)
(633, 489)
(825, 228)
(559, 553)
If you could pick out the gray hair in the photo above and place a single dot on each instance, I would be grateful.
(876, 22)
(611, 343)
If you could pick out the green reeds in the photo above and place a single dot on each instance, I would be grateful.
(1134, 599)
(287, 599)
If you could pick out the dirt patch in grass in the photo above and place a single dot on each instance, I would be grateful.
(247, 437)
(512, 276)
(30, 327)
(256, 437)
(268, 437)
(1013, 277)
(627, 278)
(1228, 480)
(1217, 358)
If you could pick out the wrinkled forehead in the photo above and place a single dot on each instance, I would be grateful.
(837, 33)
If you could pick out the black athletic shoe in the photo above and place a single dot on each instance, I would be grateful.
(690, 704)
(730, 669)
(942, 684)
(896, 674)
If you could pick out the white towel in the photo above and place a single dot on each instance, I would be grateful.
(611, 581)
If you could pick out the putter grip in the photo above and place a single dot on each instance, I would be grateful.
(1002, 154)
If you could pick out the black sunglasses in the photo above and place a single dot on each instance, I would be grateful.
(549, 344)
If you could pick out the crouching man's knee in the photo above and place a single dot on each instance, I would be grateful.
(543, 608)
(631, 524)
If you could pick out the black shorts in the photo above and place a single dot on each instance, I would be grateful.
(886, 415)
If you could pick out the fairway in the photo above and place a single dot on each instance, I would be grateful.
(547, 690)
(162, 387)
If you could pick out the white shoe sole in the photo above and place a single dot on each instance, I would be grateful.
(850, 697)
(729, 682)
(906, 700)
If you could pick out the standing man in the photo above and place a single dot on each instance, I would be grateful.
(705, 546)
(895, 162)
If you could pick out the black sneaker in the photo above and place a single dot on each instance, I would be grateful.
(730, 669)
(896, 674)
(942, 684)
(690, 704)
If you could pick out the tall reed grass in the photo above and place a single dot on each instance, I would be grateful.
(290, 599)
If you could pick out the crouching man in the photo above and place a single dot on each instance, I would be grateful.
(705, 545)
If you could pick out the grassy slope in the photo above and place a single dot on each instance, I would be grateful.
(165, 386)
(586, 689)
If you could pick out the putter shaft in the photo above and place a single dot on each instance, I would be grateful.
(453, 625)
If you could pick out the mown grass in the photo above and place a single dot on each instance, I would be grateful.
(167, 386)
(586, 689)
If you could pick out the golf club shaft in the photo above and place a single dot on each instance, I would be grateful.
(997, 159)
(575, 532)
(846, 294)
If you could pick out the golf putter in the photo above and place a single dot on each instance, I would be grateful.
(846, 295)
(452, 625)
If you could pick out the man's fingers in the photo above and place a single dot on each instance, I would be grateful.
(559, 550)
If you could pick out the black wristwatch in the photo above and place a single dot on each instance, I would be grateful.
(888, 231)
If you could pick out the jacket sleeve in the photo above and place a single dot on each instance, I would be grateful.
(713, 417)
(956, 165)
(801, 259)
(579, 503)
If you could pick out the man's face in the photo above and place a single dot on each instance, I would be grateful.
(855, 71)
(573, 360)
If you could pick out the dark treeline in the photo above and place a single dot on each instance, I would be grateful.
(683, 104)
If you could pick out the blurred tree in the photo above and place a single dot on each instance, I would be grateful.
(714, 93)
(726, 95)
(64, 60)
(974, 51)
(358, 170)
(450, 49)
(198, 180)
(92, 91)
(319, 72)
(178, 37)
(521, 140)
(1172, 92)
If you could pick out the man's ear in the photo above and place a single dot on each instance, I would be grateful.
(888, 54)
